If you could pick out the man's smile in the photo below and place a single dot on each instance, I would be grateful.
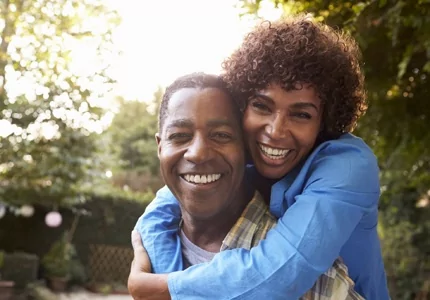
(201, 178)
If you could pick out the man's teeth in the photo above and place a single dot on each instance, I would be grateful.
(202, 178)
(273, 152)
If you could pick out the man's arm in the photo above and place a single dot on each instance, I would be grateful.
(158, 228)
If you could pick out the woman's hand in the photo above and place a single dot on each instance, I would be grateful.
(141, 262)
(142, 284)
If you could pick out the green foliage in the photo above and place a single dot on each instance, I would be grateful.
(111, 216)
(28, 266)
(48, 110)
(78, 274)
(133, 146)
(118, 196)
(394, 37)
(133, 132)
(1, 259)
(39, 291)
(57, 262)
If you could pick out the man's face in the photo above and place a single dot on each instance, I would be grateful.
(201, 151)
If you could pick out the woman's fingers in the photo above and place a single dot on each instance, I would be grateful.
(141, 262)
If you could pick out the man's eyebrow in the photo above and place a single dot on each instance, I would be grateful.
(188, 123)
(181, 123)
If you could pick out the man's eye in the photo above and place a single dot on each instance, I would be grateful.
(222, 136)
(179, 136)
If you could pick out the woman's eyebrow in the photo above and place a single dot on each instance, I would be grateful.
(305, 105)
(299, 105)
(264, 97)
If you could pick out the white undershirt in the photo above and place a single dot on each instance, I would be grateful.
(192, 253)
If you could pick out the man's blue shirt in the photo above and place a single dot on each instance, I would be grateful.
(327, 208)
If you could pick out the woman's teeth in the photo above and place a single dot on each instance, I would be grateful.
(274, 153)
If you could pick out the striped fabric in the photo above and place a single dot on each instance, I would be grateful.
(252, 227)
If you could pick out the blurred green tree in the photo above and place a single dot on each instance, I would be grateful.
(133, 130)
(132, 135)
(54, 56)
(395, 40)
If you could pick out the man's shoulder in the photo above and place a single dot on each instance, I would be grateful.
(257, 210)
(263, 219)
(252, 226)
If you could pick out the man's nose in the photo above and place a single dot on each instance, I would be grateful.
(199, 151)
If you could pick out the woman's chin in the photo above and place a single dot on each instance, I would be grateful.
(270, 172)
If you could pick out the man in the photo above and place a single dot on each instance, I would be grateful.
(202, 161)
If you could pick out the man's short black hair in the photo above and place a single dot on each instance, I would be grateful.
(194, 80)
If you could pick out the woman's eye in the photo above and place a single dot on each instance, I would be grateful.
(260, 106)
(303, 115)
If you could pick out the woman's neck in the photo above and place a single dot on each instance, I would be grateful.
(264, 186)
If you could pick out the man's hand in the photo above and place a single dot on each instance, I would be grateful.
(143, 285)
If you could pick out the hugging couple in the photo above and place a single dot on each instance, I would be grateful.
(268, 195)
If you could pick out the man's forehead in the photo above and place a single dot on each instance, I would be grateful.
(191, 122)
(187, 97)
(208, 107)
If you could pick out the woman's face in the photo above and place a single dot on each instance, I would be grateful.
(281, 128)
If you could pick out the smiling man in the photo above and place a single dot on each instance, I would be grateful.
(202, 160)
(201, 154)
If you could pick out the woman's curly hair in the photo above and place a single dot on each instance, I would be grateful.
(297, 51)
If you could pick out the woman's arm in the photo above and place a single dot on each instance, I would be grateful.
(158, 227)
(305, 242)
(142, 284)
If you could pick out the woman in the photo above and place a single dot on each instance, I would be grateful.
(302, 91)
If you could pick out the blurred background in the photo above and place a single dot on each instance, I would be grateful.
(80, 85)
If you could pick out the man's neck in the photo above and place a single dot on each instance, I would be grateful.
(209, 234)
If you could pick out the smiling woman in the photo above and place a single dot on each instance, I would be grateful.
(282, 127)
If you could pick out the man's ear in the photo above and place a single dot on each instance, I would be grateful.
(158, 140)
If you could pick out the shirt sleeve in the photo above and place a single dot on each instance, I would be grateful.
(158, 227)
(341, 188)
